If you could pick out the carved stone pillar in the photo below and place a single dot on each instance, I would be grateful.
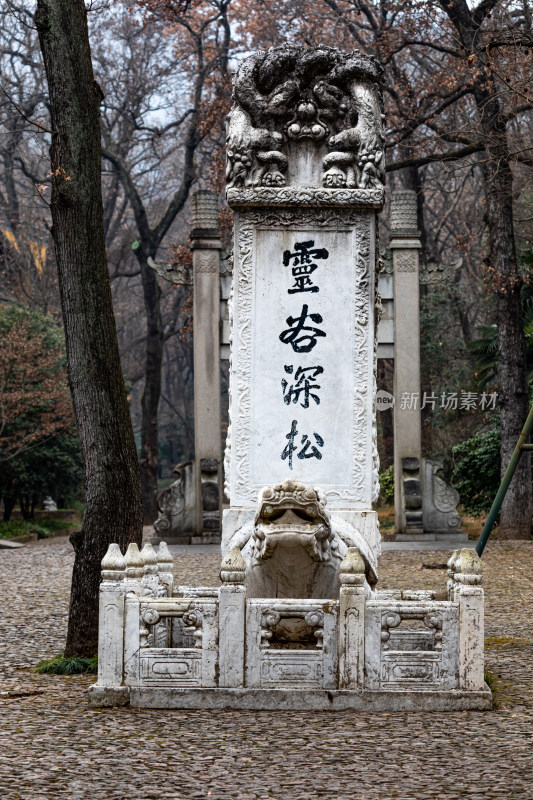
(352, 621)
(405, 246)
(111, 619)
(206, 246)
(424, 504)
(465, 569)
(232, 612)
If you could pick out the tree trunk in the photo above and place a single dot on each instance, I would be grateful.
(9, 505)
(25, 506)
(515, 516)
(113, 499)
(505, 282)
(152, 386)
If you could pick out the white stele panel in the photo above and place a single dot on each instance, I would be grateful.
(303, 386)
(302, 364)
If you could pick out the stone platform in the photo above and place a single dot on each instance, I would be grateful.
(292, 699)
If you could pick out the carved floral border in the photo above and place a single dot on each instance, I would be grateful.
(306, 196)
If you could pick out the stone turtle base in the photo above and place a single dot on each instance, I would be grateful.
(290, 699)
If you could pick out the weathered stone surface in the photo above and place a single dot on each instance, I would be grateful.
(314, 700)
(177, 505)
(206, 246)
(8, 544)
(325, 98)
(440, 501)
(302, 118)
(305, 174)
(405, 246)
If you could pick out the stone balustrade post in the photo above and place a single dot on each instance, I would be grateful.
(134, 569)
(232, 611)
(466, 571)
(111, 618)
(150, 578)
(134, 588)
(165, 565)
(351, 640)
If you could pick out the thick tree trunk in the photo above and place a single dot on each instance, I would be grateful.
(152, 386)
(515, 517)
(113, 499)
(9, 505)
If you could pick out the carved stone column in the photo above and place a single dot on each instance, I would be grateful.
(109, 688)
(206, 246)
(465, 569)
(352, 621)
(424, 504)
(405, 246)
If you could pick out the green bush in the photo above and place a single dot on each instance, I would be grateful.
(386, 486)
(476, 474)
(54, 525)
(18, 527)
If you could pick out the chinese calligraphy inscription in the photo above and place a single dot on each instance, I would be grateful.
(311, 352)
(302, 343)
(303, 266)
(300, 391)
(308, 450)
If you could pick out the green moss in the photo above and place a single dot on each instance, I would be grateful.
(503, 640)
(75, 665)
(490, 679)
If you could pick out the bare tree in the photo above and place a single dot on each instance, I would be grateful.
(113, 499)
(153, 125)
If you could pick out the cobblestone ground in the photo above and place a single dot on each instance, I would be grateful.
(54, 746)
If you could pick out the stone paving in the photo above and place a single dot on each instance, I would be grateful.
(54, 746)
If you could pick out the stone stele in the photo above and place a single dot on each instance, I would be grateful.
(297, 622)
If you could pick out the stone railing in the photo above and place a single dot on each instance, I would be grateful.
(165, 646)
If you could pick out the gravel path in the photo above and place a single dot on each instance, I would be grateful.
(54, 746)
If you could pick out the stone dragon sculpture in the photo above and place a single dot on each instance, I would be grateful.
(290, 93)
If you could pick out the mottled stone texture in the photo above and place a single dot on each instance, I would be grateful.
(305, 178)
(424, 504)
(405, 247)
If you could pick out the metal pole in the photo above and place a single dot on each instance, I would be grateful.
(504, 485)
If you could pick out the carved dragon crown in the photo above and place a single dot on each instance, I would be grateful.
(291, 94)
